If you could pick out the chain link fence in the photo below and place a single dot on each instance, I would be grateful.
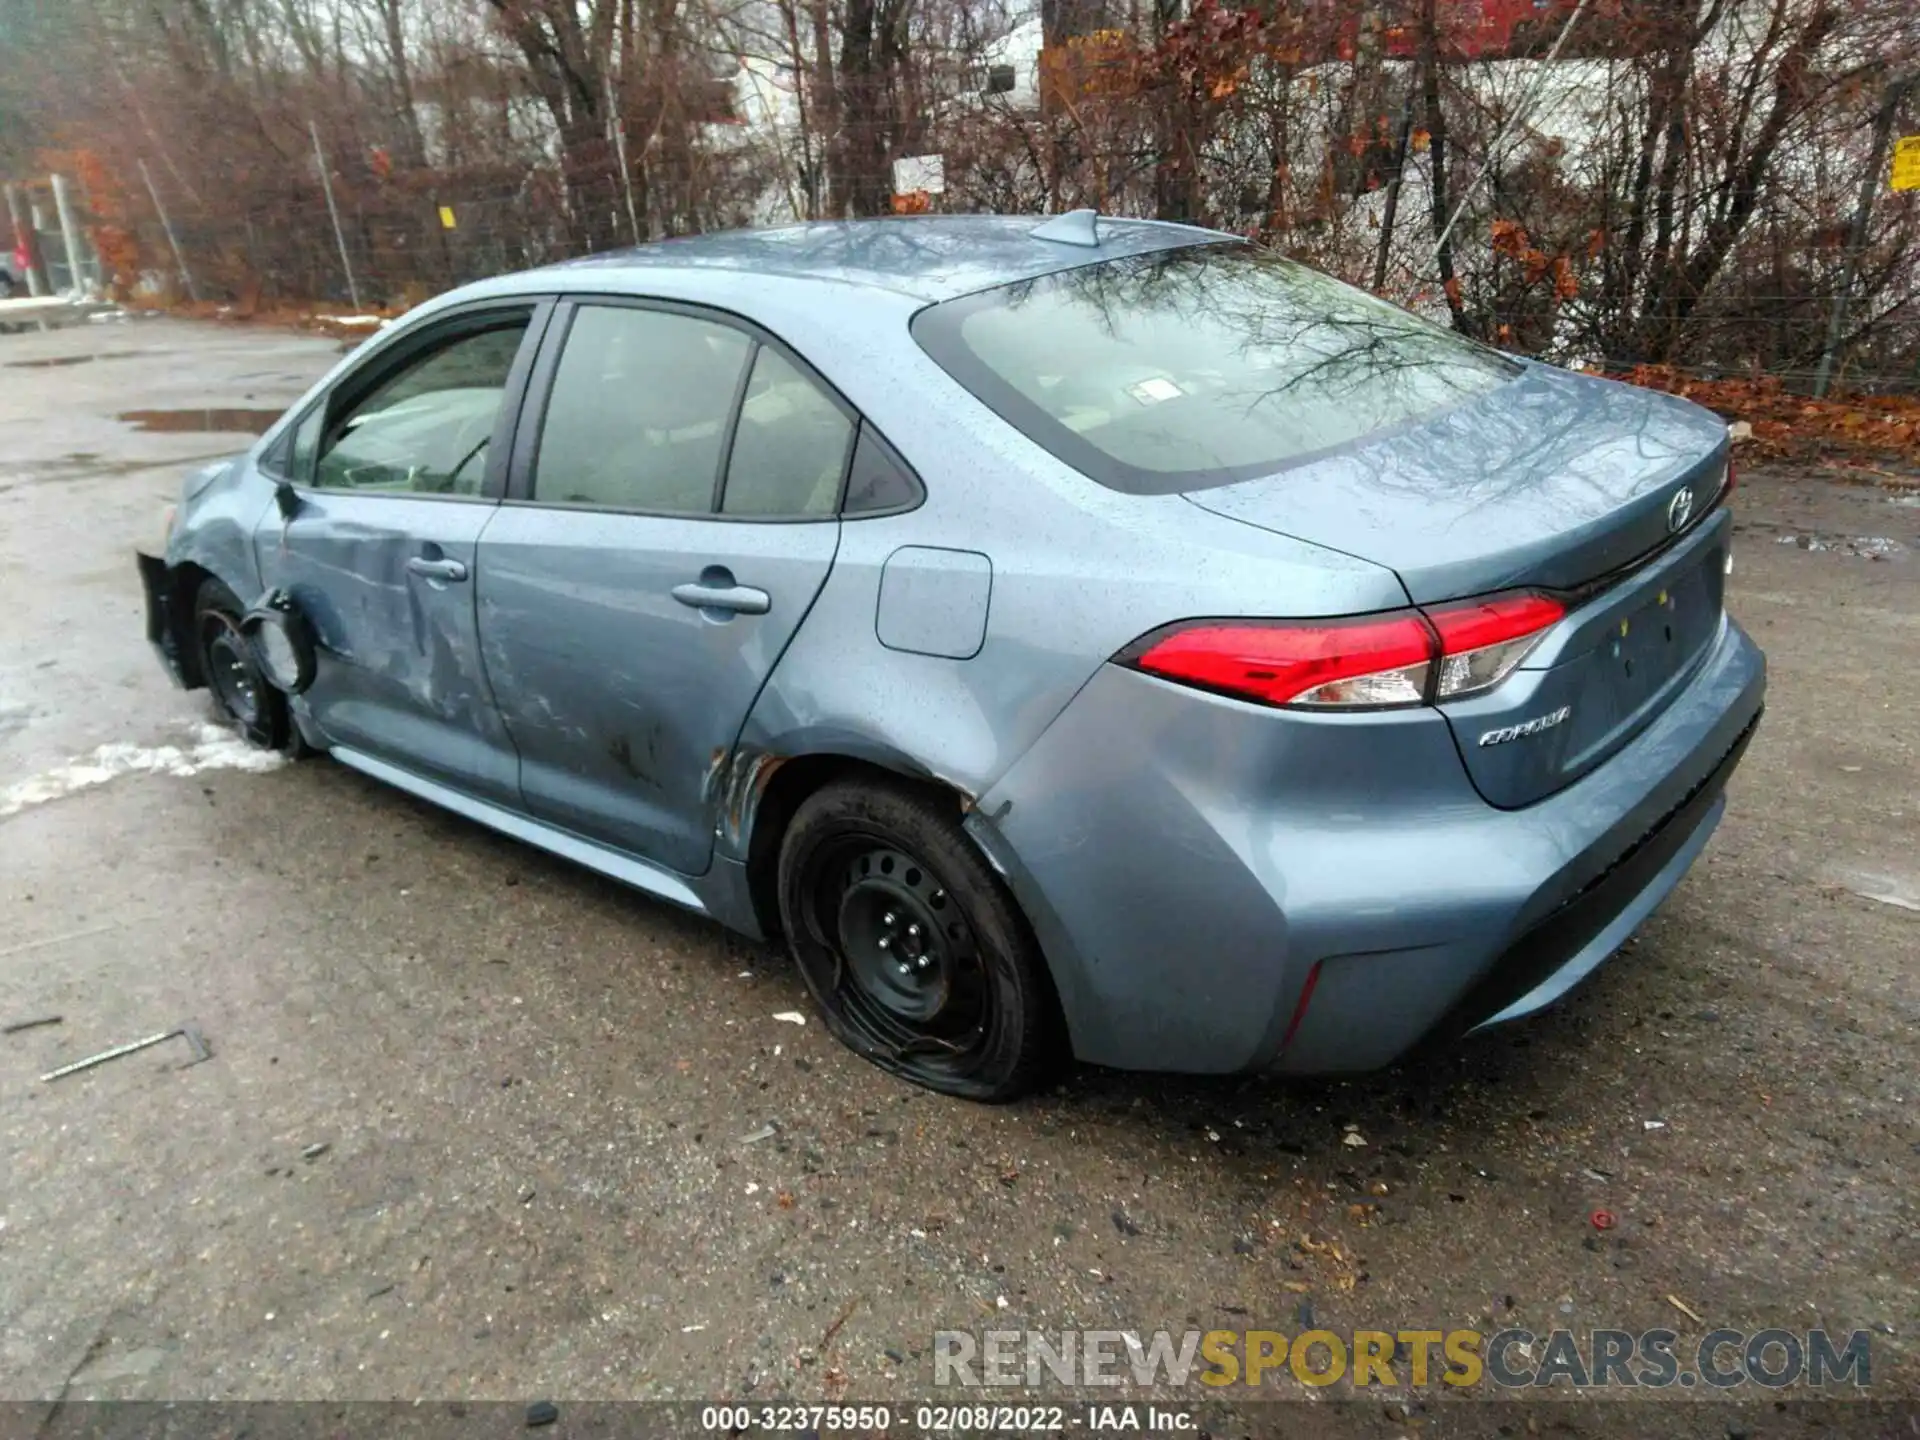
(377, 238)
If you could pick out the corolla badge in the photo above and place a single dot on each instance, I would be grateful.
(1528, 727)
(1680, 509)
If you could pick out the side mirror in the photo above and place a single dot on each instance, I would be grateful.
(288, 499)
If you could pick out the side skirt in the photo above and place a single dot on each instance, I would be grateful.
(615, 864)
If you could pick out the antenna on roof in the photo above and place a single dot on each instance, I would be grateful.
(1076, 227)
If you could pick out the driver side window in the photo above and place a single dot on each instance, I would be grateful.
(424, 430)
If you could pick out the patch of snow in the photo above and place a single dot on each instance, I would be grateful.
(213, 748)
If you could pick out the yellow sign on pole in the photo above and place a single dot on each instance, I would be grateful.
(1906, 163)
(446, 218)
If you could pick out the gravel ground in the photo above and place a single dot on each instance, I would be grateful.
(483, 1126)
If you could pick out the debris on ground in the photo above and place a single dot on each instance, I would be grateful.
(34, 1024)
(765, 1132)
(315, 1150)
(196, 1047)
(1685, 1309)
(1602, 1219)
(790, 1017)
(1863, 547)
(542, 1412)
(840, 1320)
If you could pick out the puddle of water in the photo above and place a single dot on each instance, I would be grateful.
(245, 422)
(51, 362)
(1866, 547)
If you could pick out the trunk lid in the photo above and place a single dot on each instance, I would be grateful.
(1552, 480)
(1556, 481)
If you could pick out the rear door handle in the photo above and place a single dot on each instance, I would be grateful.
(436, 569)
(740, 599)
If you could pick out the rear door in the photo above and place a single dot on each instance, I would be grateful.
(671, 515)
(394, 475)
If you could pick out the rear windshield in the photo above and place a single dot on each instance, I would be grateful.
(1196, 367)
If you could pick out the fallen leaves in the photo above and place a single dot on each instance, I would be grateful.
(1779, 422)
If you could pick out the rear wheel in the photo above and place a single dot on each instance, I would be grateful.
(918, 957)
(242, 694)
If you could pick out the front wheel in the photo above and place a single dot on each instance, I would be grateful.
(242, 694)
(917, 956)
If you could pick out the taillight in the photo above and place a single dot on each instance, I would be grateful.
(1481, 641)
(1403, 657)
(1372, 660)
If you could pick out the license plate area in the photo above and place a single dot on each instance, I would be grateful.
(1656, 640)
(1635, 645)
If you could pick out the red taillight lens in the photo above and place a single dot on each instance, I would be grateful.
(1404, 657)
(1372, 660)
(1482, 641)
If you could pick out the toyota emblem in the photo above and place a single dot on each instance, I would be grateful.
(1680, 509)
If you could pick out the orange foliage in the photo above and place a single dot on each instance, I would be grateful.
(1510, 238)
(107, 212)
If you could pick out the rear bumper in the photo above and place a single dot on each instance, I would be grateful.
(166, 630)
(1190, 862)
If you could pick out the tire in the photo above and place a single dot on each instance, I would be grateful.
(915, 953)
(242, 695)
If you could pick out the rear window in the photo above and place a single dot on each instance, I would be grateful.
(1200, 366)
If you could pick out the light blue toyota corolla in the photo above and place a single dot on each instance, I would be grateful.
(1075, 637)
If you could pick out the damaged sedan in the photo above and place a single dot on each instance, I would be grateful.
(1075, 638)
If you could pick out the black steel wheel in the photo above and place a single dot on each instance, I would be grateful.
(241, 692)
(916, 954)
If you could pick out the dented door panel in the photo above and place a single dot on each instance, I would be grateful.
(398, 672)
(624, 701)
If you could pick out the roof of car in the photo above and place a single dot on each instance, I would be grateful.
(933, 257)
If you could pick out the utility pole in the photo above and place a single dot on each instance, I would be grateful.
(173, 240)
(339, 235)
(70, 234)
(1870, 184)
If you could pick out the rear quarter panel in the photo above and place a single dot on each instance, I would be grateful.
(1077, 571)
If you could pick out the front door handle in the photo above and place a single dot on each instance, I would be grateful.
(738, 599)
(436, 569)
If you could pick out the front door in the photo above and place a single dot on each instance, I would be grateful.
(391, 474)
(670, 518)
